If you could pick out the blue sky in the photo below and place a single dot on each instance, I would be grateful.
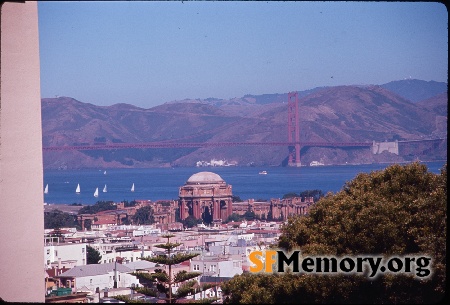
(147, 53)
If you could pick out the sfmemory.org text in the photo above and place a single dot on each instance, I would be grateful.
(369, 265)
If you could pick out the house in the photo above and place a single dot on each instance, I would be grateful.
(69, 254)
(217, 265)
(95, 277)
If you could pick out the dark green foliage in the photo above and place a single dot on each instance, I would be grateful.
(98, 207)
(234, 218)
(290, 195)
(165, 281)
(129, 204)
(249, 215)
(190, 221)
(399, 211)
(236, 198)
(92, 255)
(58, 219)
(317, 194)
(88, 224)
(144, 216)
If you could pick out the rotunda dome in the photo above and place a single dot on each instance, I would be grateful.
(204, 178)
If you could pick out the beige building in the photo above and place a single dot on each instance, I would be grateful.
(21, 169)
(206, 196)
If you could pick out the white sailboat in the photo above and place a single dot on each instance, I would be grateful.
(105, 189)
(132, 188)
(104, 173)
(78, 189)
(96, 192)
(46, 189)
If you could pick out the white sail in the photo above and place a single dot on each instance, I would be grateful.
(78, 189)
(46, 189)
(96, 192)
(132, 188)
(105, 189)
(104, 173)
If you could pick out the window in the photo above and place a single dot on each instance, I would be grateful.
(48, 251)
(90, 281)
(82, 250)
(196, 267)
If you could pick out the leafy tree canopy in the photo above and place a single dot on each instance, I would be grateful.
(144, 216)
(98, 207)
(92, 255)
(396, 211)
(57, 219)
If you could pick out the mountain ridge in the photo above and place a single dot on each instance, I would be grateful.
(339, 113)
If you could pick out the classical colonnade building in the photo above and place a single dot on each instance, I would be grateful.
(206, 196)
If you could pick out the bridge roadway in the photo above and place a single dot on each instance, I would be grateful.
(204, 144)
(171, 144)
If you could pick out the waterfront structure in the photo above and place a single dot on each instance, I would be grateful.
(206, 196)
(276, 209)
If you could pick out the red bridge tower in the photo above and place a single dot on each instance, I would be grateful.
(293, 130)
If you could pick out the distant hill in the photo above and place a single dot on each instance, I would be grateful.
(416, 90)
(333, 114)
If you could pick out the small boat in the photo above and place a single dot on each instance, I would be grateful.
(263, 173)
(132, 188)
(96, 192)
(78, 190)
(46, 189)
(105, 189)
(104, 173)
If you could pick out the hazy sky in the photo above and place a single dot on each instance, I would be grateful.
(147, 53)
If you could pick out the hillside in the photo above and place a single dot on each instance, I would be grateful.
(327, 114)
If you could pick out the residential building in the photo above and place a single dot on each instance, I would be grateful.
(95, 277)
(65, 254)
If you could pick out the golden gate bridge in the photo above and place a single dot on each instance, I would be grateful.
(294, 144)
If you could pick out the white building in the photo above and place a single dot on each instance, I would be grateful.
(127, 256)
(221, 266)
(65, 254)
(95, 277)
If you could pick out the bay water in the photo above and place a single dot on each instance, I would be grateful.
(163, 183)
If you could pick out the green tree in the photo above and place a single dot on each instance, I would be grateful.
(98, 207)
(144, 216)
(190, 221)
(57, 219)
(234, 218)
(317, 194)
(92, 255)
(290, 195)
(398, 211)
(165, 280)
(236, 198)
(88, 224)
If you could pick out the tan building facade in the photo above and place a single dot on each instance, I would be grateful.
(21, 169)
(206, 196)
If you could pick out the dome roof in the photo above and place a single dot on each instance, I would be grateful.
(205, 177)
